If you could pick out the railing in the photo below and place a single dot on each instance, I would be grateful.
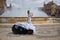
(37, 20)
(55, 20)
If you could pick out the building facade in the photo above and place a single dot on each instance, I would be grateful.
(2, 6)
(52, 9)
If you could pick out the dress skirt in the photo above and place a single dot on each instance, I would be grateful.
(20, 30)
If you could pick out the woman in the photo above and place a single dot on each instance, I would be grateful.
(24, 28)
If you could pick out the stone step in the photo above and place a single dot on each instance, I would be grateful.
(48, 30)
(37, 25)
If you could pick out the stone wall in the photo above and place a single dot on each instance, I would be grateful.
(23, 19)
(35, 20)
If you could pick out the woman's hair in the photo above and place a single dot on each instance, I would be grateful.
(28, 11)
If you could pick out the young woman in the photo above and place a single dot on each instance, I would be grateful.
(24, 28)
